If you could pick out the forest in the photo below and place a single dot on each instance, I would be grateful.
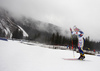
(57, 39)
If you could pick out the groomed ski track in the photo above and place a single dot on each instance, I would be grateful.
(16, 56)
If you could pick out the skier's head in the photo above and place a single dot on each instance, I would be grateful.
(75, 29)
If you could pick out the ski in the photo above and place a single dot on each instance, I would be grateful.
(72, 59)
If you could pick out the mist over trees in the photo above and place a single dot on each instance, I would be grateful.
(39, 31)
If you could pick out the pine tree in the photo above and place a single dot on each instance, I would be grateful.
(57, 38)
(18, 34)
(53, 39)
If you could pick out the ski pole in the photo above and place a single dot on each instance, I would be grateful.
(72, 42)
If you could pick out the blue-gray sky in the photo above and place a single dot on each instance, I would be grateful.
(85, 14)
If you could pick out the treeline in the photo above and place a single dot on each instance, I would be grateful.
(57, 39)
(88, 45)
(17, 34)
(92, 45)
(2, 33)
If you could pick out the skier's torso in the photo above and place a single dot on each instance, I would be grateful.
(79, 34)
(80, 38)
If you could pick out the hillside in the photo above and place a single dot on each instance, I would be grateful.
(8, 27)
(34, 29)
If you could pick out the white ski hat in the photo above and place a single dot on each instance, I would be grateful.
(74, 27)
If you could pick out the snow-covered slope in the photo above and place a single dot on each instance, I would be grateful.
(24, 33)
(7, 26)
(30, 27)
(16, 56)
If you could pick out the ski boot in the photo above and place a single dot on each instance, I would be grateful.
(82, 56)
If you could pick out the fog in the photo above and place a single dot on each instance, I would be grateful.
(85, 14)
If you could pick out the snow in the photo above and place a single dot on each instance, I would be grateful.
(24, 33)
(7, 31)
(16, 56)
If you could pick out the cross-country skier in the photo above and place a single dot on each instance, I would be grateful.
(79, 34)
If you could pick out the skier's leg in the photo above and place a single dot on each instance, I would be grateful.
(81, 51)
(82, 56)
(80, 47)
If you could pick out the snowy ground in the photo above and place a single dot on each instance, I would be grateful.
(16, 56)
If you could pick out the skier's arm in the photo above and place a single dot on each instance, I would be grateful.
(80, 33)
(72, 32)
